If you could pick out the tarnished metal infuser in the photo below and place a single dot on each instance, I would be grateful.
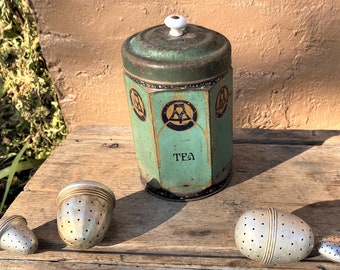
(15, 236)
(84, 213)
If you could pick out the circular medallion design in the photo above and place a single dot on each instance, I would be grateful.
(179, 114)
(137, 104)
(221, 102)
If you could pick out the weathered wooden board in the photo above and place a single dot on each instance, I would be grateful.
(296, 171)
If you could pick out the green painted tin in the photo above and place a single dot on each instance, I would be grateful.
(179, 89)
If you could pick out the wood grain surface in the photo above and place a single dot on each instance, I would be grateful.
(295, 171)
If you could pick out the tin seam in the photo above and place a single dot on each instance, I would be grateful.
(168, 85)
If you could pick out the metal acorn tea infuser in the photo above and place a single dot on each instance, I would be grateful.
(84, 213)
(16, 237)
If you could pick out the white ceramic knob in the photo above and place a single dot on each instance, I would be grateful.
(176, 23)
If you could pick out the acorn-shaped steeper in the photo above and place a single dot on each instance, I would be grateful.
(84, 213)
(15, 236)
(272, 236)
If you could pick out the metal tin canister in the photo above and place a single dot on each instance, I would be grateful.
(179, 89)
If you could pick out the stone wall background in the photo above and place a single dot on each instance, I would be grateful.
(286, 56)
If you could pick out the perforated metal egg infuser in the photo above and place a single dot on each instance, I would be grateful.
(272, 236)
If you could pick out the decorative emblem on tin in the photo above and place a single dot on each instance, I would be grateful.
(221, 101)
(137, 104)
(179, 114)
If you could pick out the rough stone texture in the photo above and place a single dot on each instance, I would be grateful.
(286, 56)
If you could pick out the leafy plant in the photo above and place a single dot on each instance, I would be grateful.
(31, 122)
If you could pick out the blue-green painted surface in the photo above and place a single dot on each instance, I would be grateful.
(183, 137)
(143, 133)
(183, 152)
(180, 101)
(222, 131)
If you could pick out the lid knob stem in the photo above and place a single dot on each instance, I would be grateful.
(176, 23)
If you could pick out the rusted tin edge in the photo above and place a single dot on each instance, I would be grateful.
(168, 195)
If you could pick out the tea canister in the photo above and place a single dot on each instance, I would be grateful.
(178, 80)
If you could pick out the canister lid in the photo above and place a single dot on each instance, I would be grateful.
(194, 54)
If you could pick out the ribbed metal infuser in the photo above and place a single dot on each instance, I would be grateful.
(84, 213)
(272, 236)
(15, 236)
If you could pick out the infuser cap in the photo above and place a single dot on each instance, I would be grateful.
(89, 188)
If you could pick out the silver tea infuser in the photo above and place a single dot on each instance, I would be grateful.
(329, 247)
(84, 213)
(272, 236)
(15, 236)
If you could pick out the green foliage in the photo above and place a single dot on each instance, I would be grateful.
(30, 116)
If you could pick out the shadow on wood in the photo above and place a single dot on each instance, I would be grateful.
(323, 217)
(50, 241)
(258, 150)
(138, 214)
